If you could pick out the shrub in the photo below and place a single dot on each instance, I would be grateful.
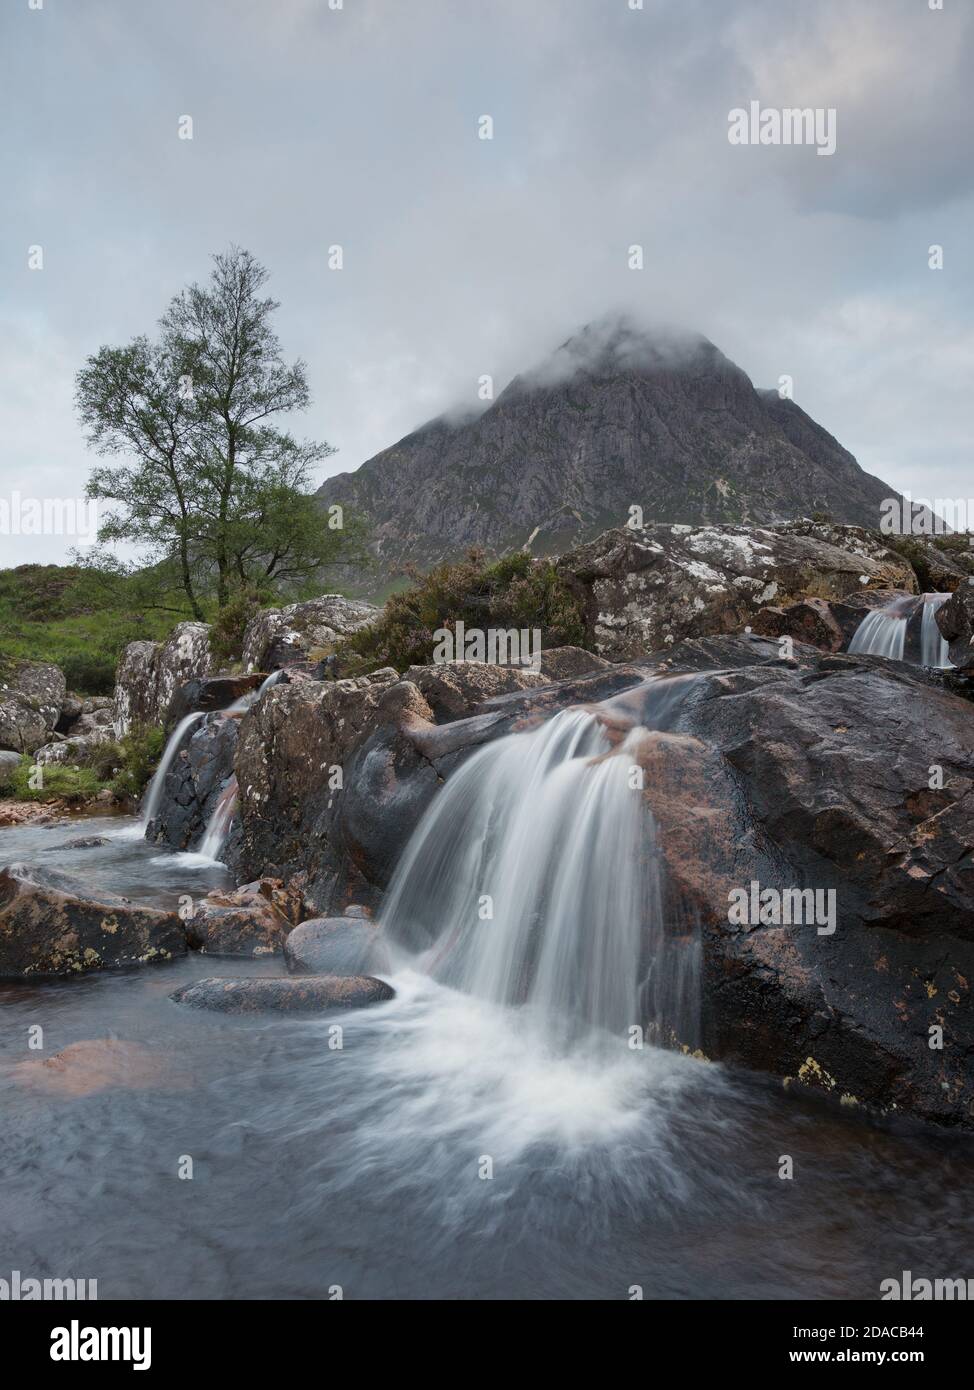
(71, 783)
(90, 673)
(137, 757)
(516, 591)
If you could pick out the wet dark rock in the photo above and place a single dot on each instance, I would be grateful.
(211, 694)
(955, 618)
(306, 994)
(250, 921)
(83, 842)
(194, 783)
(336, 946)
(51, 924)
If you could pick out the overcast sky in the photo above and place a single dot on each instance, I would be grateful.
(358, 126)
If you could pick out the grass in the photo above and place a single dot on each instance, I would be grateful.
(55, 613)
(123, 768)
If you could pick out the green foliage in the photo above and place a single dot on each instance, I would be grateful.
(229, 625)
(79, 618)
(136, 758)
(514, 592)
(198, 473)
(916, 551)
(70, 783)
(124, 768)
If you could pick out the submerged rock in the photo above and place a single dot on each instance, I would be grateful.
(336, 946)
(51, 924)
(100, 1064)
(309, 994)
(83, 842)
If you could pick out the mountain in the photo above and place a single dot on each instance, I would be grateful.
(617, 416)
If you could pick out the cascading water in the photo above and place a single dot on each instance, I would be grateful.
(218, 826)
(933, 646)
(154, 794)
(535, 880)
(882, 632)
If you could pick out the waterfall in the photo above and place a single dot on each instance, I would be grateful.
(154, 794)
(218, 826)
(882, 632)
(534, 879)
(933, 646)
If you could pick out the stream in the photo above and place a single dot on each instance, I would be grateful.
(362, 1167)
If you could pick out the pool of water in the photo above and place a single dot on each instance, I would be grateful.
(437, 1146)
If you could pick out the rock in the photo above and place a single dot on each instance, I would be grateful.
(561, 663)
(211, 694)
(83, 842)
(100, 1064)
(72, 707)
(9, 761)
(309, 994)
(250, 921)
(820, 622)
(453, 688)
(31, 694)
(646, 588)
(194, 783)
(333, 777)
(781, 774)
(336, 946)
(51, 924)
(276, 636)
(955, 618)
(150, 673)
(74, 750)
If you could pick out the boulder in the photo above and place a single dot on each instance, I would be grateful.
(453, 688)
(336, 946)
(31, 695)
(276, 636)
(955, 618)
(645, 588)
(820, 622)
(781, 775)
(150, 673)
(309, 994)
(250, 921)
(75, 749)
(51, 924)
(562, 663)
(211, 694)
(9, 761)
(194, 783)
